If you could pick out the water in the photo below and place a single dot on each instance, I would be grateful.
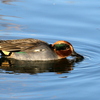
(50, 20)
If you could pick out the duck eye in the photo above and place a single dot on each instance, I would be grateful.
(61, 46)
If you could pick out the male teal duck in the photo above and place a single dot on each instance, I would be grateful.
(34, 49)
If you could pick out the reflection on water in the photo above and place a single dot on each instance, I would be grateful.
(11, 26)
(8, 1)
(1, 17)
(7, 18)
(7, 23)
(6, 26)
(51, 20)
(32, 67)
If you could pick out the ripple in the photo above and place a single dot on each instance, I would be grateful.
(88, 48)
(90, 51)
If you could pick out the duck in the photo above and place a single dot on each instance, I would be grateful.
(36, 50)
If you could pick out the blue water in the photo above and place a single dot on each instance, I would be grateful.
(76, 21)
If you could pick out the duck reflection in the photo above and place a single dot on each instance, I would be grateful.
(12, 66)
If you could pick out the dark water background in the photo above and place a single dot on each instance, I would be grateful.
(76, 21)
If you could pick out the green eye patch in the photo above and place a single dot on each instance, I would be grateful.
(61, 46)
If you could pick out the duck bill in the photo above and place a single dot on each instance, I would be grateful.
(76, 55)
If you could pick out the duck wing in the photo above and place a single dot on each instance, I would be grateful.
(20, 44)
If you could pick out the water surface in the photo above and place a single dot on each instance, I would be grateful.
(50, 20)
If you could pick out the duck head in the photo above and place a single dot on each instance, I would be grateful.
(64, 49)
